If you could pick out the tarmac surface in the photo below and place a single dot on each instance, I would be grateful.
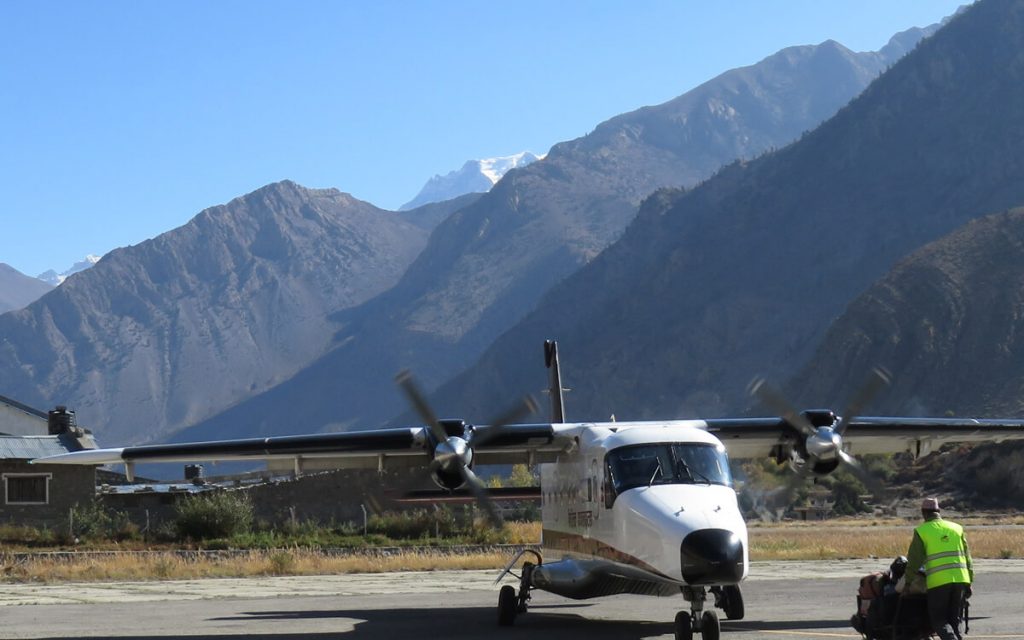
(783, 600)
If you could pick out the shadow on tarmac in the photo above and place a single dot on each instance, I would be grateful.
(784, 625)
(455, 622)
(542, 622)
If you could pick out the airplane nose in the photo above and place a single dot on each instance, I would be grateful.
(711, 556)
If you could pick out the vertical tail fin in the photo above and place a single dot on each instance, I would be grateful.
(554, 381)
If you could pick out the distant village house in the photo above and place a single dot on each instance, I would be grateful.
(41, 495)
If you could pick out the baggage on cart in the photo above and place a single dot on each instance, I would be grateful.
(884, 613)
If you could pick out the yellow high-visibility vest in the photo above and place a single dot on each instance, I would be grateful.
(945, 558)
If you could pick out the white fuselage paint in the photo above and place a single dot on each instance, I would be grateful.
(643, 527)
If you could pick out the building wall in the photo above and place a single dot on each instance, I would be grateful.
(145, 508)
(68, 485)
(16, 422)
(322, 497)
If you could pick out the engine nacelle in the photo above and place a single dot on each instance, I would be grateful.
(825, 467)
(448, 480)
(799, 461)
(450, 458)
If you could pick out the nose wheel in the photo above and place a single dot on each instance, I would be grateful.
(730, 600)
(696, 620)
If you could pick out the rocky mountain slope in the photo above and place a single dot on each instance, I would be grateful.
(489, 263)
(947, 321)
(165, 332)
(743, 274)
(18, 290)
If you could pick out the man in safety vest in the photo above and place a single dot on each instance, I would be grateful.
(939, 552)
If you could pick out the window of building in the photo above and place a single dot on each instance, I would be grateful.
(27, 488)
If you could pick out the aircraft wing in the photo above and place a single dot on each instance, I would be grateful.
(377, 449)
(921, 435)
(756, 437)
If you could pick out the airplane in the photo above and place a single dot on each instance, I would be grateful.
(632, 507)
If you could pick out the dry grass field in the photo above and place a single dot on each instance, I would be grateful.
(169, 566)
(789, 541)
(880, 541)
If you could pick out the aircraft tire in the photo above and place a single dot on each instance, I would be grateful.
(508, 606)
(684, 626)
(709, 627)
(733, 604)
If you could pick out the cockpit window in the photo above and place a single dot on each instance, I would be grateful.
(670, 463)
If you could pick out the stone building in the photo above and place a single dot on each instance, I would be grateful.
(39, 494)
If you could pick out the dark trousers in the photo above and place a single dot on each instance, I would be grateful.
(945, 604)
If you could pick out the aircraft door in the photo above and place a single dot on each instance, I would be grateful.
(607, 487)
(594, 499)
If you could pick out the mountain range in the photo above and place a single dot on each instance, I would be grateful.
(290, 309)
(166, 332)
(476, 176)
(18, 290)
(745, 274)
(487, 265)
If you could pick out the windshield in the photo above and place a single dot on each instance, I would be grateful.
(670, 463)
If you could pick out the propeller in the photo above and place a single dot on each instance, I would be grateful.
(822, 449)
(453, 455)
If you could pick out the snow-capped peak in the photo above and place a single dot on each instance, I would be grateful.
(494, 168)
(475, 176)
(54, 278)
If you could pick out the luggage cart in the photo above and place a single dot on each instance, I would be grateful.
(899, 617)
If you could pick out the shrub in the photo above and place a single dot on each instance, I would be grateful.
(16, 534)
(419, 523)
(92, 521)
(281, 563)
(219, 514)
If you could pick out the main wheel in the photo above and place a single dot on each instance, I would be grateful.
(733, 602)
(508, 604)
(709, 627)
(684, 626)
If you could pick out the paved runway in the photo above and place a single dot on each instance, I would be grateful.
(784, 600)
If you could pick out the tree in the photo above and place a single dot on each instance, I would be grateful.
(523, 476)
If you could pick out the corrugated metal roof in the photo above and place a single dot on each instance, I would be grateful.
(29, 447)
(157, 488)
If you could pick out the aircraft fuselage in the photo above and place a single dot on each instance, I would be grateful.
(640, 509)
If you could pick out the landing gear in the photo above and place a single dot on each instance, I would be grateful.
(730, 600)
(684, 626)
(508, 606)
(696, 619)
(510, 603)
(709, 627)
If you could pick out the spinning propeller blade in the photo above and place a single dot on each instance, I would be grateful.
(481, 435)
(420, 405)
(877, 379)
(774, 400)
(454, 454)
(857, 468)
(823, 446)
(479, 491)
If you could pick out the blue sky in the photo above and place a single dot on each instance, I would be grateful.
(122, 120)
